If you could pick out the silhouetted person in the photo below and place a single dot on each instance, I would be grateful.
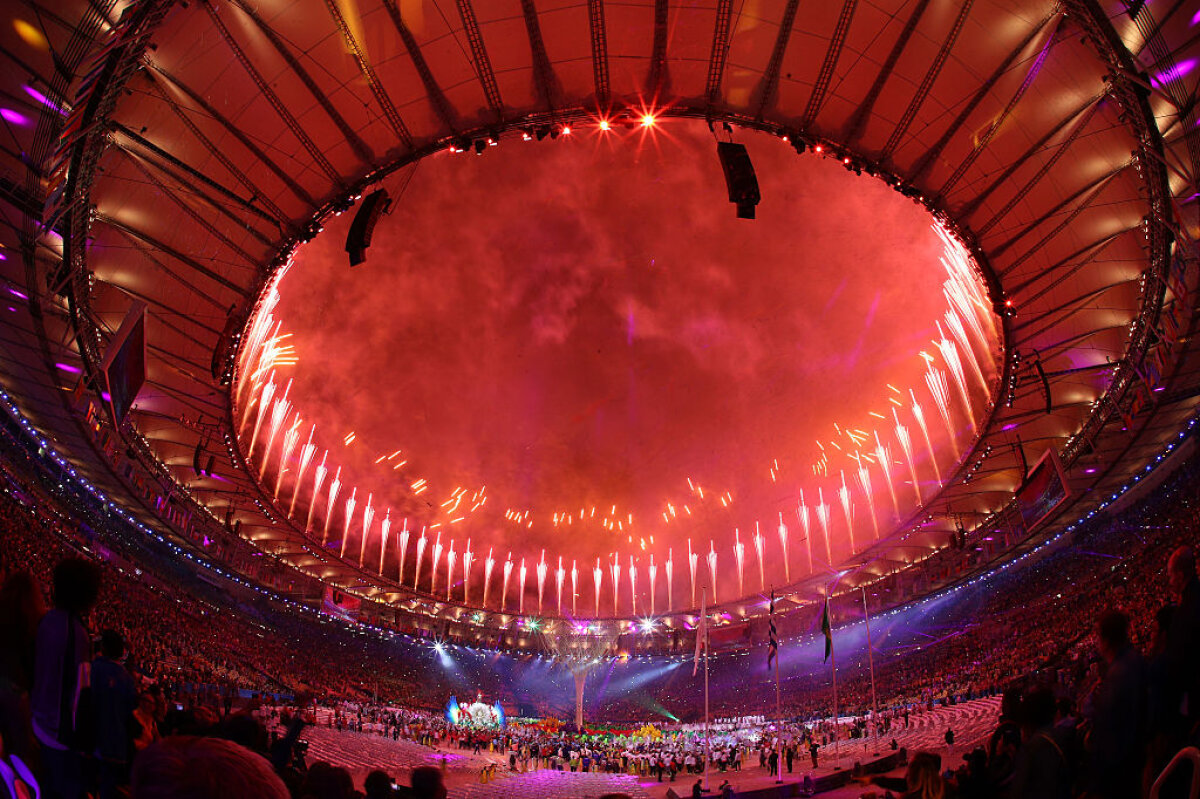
(21, 609)
(427, 783)
(1117, 738)
(114, 698)
(62, 653)
(186, 767)
(1183, 640)
(1043, 769)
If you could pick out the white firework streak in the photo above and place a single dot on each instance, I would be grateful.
(652, 575)
(848, 509)
(885, 465)
(906, 446)
(598, 579)
(541, 580)
(468, 559)
(403, 551)
(802, 514)
(306, 456)
(823, 518)
(318, 481)
(712, 567)
(264, 400)
(437, 558)
(670, 578)
(559, 576)
(451, 557)
(508, 567)
(950, 356)
(783, 546)
(334, 487)
(960, 335)
(489, 563)
(693, 558)
(935, 379)
(958, 298)
(350, 503)
(290, 437)
(739, 556)
(279, 412)
(759, 541)
(864, 482)
(422, 542)
(615, 568)
(574, 588)
(368, 516)
(384, 528)
(919, 414)
(521, 596)
(633, 585)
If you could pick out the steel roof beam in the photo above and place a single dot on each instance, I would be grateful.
(479, 55)
(599, 35)
(858, 121)
(770, 79)
(832, 54)
(437, 98)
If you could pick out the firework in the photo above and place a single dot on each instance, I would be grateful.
(759, 541)
(919, 415)
(615, 568)
(489, 563)
(950, 356)
(670, 572)
(954, 322)
(802, 515)
(334, 487)
(783, 547)
(739, 556)
(541, 580)
(437, 558)
(712, 567)
(368, 515)
(936, 380)
(848, 509)
(306, 455)
(574, 587)
(350, 503)
(508, 568)
(318, 480)
(521, 596)
(823, 518)
(468, 559)
(264, 400)
(403, 550)
(632, 585)
(289, 444)
(451, 557)
(906, 447)
(598, 579)
(693, 558)
(864, 483)
(884, 457)
(279, 412)
(384, 528)
(652, 573)
(560, 575)
(421, 544)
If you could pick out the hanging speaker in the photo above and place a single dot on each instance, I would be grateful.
(740, 179)
(359, 237)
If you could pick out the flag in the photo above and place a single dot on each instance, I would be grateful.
(701, 631)
(773, 639)
(826, 630)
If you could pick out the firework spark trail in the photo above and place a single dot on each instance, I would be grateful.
(652, 574)
(368, 516)
(884, 457)
(521, 596)
(279, 412)
(919, 414)
(290, 438)
(422, 542)
(451, 557)
(306, 455)
(847, 508)
(959, 299)
(468, 559)
(802, 515)
(264, 400)
(384, 527)
(559, 576)
(598, 580)
(864, 483)
(783, 546)
(574, 588)
(541, 580)
(615, 568)
(960, 335)
(334, 487)
(823, 518)
(318, 480)
(632, 585)
(508, 568)
(437, 559)
(693, 558)
(759, 540)
(950, 355)
(489, 563)
(712, 567)
(935, 379)
(739, 556)
(350, 503)
(670, 570)
(906, 446)
(403, 550)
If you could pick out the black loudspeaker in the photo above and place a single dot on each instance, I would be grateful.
(196, 459)
(208, 467)
(359, 237)
(739, 178)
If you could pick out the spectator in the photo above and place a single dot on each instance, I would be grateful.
(1117, 738)
(21, 609)
(1183, 640)
(113, 698)
(378, 785)
(1043, 769)
(61, 659)
(427, 783)
(187, 767)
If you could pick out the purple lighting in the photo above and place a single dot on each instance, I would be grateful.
(14, 117)
(1175, 72)
(16, 293)
(1090, 470)
(66, 367)
(1009, 426)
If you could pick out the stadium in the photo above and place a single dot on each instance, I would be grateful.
(366, 365)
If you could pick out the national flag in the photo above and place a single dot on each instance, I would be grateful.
(701, 631)
(773, 638)
(826, 630)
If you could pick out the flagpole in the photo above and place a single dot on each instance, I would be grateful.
(707, 735)
(837, 748)
(778, 710)
(871, 663)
